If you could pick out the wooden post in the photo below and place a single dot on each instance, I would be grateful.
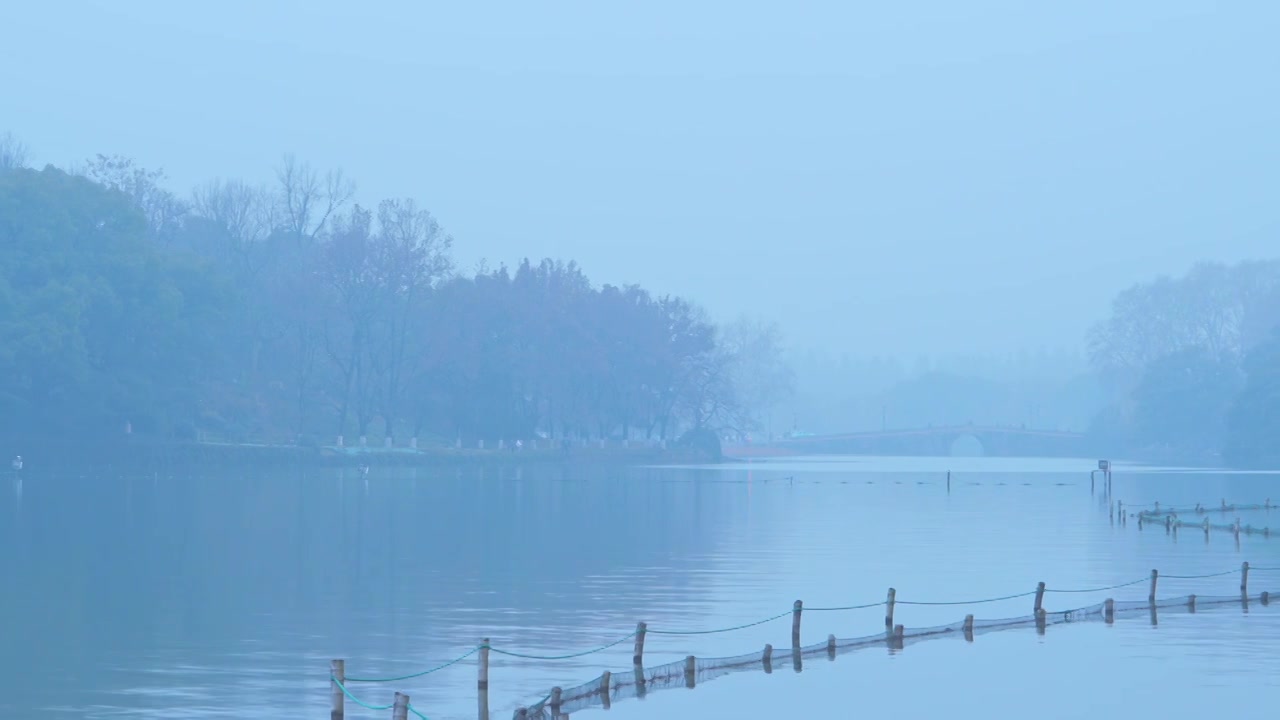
(554, 702)
(400, 708)
(767, 658)
(899, 635)
(605, 679)
(1039, 598)
(1244, 577)
(1168, 523)
(968, 628)
(831, 647)
(1109, 611)
(796, 610)
(1191, 603)
(337, 698)
(1092, 477)
(1042, 620)
(1206, 528)
(1236, 529)
(1151, 596)
(690, 671)
(482, 681)
(1266, 598)
(948, 481)
(637, 675)
(888, 611)
(637, 658)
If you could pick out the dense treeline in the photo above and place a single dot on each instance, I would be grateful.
(1195, 364)
(290, 312)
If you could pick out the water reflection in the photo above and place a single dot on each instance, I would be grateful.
(211, 596)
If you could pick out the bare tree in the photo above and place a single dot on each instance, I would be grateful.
(14, 153)
(163, 210)
(307, 200)
(243, 212)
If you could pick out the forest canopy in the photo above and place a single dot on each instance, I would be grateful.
(291, 313)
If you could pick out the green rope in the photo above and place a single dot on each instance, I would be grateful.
(414, 710)
(1100, 589)
(1199, 577)
(722, 630)
(969, 602)
(593, 651)
(455, 661)
(355, 699)
(847, 607)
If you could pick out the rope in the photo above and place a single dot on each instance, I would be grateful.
(1261, 569)
(969, 602)
(1100, 589)
(1200, 577)
(355, 699)
(455, 661)
(509, 653)
(414, 710)
(722, 630)
(847, 607)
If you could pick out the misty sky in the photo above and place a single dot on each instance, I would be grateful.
(914, 177)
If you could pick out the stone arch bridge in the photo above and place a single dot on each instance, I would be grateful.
(995, 441)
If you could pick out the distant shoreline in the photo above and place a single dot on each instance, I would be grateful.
(136, 452)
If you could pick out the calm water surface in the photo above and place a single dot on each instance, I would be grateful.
(197, 596)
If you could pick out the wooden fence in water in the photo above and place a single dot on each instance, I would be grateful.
(638, 681)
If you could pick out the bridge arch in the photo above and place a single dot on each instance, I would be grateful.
(967, 445)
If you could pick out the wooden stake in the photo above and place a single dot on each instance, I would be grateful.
(767, 658)
(968, 627)
(337, 698)
(899, 635)
(1151, 596)
(482, 681)
(888, 611)
(796, 610)
(831, 647)
(690, 671)
(637, 658)
(604, 688)
(1042, 620)
(1244, 577)
(400, 708)
(1266, 598)
(554, 702)
(1109, 611)
(1191, 603)
(1039, 598)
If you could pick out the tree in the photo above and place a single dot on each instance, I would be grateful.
(100, 326)
(1207, 309)
(162, 210)
(760, 375)
(1182, 400)
(14, 153)
(1253, 422)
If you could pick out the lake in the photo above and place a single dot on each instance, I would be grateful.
(200, 595)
